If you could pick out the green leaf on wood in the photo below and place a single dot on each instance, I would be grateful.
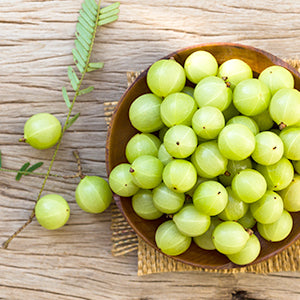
(92, 4)
(22, 169)
(82, 51)
(88, 8)
(84, 33)
(90, 14)
(82, 42)
(66, 97)
(73, 78)
(87, 18)
(109, 7)
(34, 167)
(79, 61)
(86, 91)
(85, 24)
(71, 121)
(95, 66)
(108, 20)
(109, 14)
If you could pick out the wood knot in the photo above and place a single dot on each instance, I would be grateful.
(241, 295)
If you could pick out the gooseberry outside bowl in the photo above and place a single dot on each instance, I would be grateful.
(120, 131)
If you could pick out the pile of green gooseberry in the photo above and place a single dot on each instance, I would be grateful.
(218, 154)
(93, 194)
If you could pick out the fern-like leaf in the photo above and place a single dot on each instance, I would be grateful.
(84, 34)
(109, 14)
(72, 120)
(66, 97)
(73, 78)
(22, 169)
(93, 4)
(86, 91)
(95, 66)
(34, 167)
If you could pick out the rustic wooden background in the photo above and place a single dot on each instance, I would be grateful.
(36, 38)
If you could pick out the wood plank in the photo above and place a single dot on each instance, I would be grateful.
(36, 38)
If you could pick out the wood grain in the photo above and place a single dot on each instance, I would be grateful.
(36, 38)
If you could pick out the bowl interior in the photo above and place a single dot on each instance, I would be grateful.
(121, 130)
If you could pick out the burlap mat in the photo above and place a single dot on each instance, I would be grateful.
(151, 261)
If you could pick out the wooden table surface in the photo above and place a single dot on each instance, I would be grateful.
(36, 39)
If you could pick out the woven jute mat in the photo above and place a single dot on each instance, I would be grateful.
(125, 240)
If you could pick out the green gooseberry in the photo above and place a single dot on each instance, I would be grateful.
(93, 194)
(165, 77)
(42, 131)
(52, 211)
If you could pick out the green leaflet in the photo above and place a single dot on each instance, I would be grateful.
(86, 91)
(90, 17)
(109, 7)
(73, 78)
(22, 169)
(35, 166)
(108, 20)
(88, 21)
(95, 66)
(85, 28)
(109, 14)
(71, 121)
(66, 97)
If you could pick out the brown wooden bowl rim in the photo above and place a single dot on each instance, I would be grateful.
(274, 59)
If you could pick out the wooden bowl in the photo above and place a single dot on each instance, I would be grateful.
(120, 131)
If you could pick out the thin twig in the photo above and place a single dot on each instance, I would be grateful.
(38, 174)
(79, 168)
(7, 242)
(30, 219)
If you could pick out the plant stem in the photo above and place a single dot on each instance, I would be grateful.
(37, 174)
(7, 242)
(79, 168)
(78, 174)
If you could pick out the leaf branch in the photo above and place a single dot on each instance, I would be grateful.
(88, 21)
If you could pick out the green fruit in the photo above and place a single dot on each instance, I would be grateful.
(144, 113)
(230, 237)
(200, 64)
(42, 131)
(93, 194)
(210, 198)
(204, 240)
(52, 211)
(165, 77)
(235, 208)
(142, 144)
(290, 195)
(191, 222)
(278, 175)
(179, 175)
(277, 231)
(142, 204)
(234, 71)
(146, 171)
(120, 181)
(248, 254)
(170, 240)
